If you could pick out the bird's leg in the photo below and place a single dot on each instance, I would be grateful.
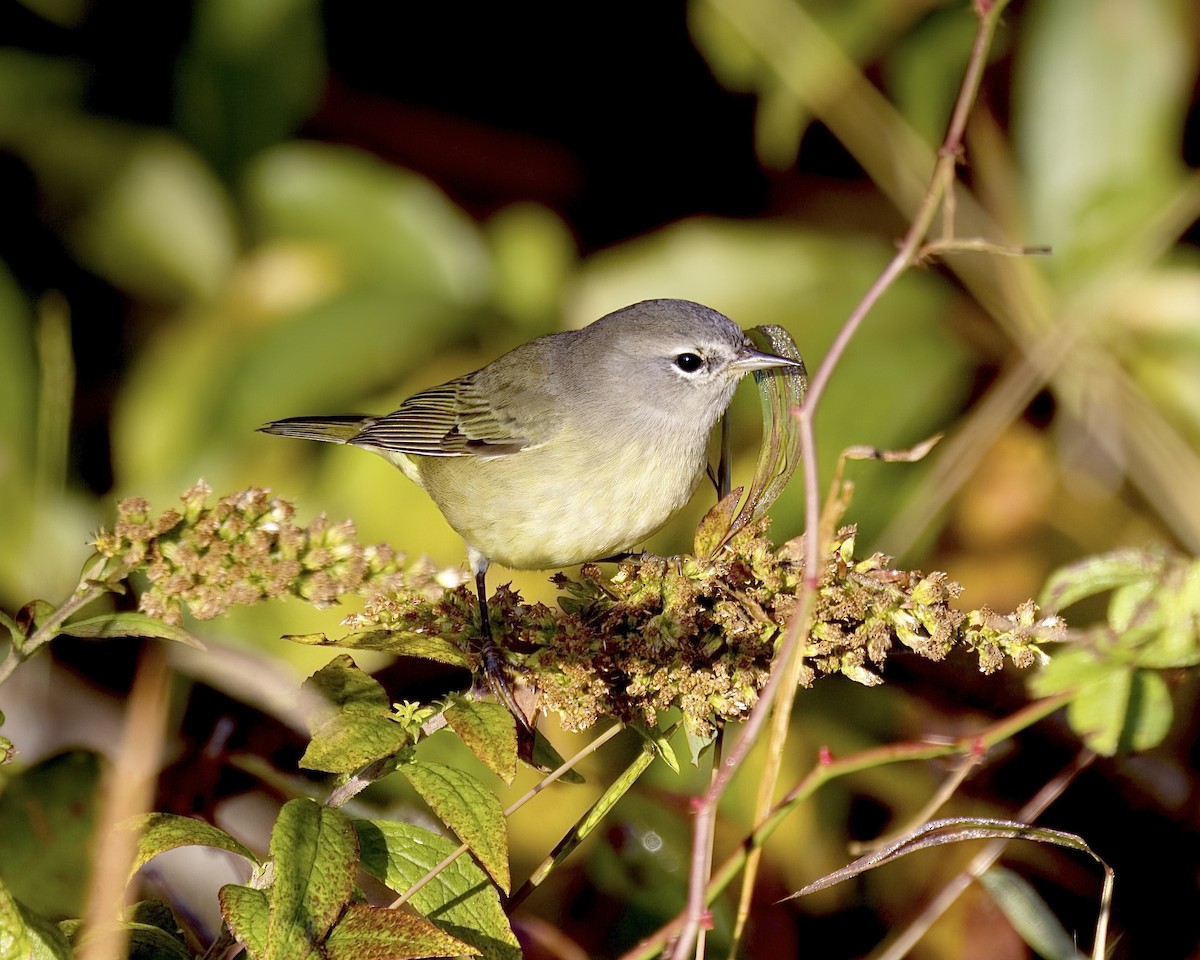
(494, 668)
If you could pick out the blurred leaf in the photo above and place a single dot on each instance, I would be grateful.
(315, 852)
(1097, 122)
(162, 229)
(468, 808)
(925, 68)
(374, 933)
(130, 624)
(32, 87)
(461, 898)
(1097, 574)
(533, 254)
(358, 726)
(47, 814)
(858, 29)
(1115, 708)
(160, 832)
(489, 731)
(389, 227)
(365, 273)
(251, 72)
(62, 13)
(1029, 915)
(18, 393)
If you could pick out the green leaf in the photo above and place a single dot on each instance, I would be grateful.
(1029, 915)
(47, 815)
(388, 227)
(160, 832)
(1116, 707)
(153, 943)
(661, 744)
(1093, 575)
(544, 757)
(248, 76)
(698, 745)
(469, 809)
(489, 731)
(397, 642)
(1175, 642)
(162, 228)
(130, 624)
(248, 914)
(1096, 122)
(357, 728)
(315, 853)
(15, 941)
(460, 899)
(24, 934)
(373, 933)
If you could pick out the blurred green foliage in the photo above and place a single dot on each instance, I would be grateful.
(268, 275)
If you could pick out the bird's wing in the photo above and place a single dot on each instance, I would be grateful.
(454, 420)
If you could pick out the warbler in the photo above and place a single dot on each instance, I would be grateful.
(572, 447)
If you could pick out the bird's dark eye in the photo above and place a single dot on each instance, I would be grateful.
(689, 362)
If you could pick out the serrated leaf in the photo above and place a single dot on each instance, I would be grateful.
(247, 913)
(315, 852)
(357, 727)
(160, 832)
(397, 642)
(131, 624)
(489, 731)
(461, 898)
(373, 933)
(468, 808)
(1093, 575)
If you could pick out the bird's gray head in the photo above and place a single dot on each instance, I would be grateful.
(675, 354)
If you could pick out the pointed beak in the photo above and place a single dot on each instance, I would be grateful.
(751, 359)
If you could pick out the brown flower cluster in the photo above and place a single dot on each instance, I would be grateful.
(700, 637)
(242, 549)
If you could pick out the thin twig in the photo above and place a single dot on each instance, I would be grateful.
(827, 771)
(983, 861)
(787, 661)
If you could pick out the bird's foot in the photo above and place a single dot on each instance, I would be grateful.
(499, 680)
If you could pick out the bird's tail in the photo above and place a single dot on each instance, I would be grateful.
(339, 429)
